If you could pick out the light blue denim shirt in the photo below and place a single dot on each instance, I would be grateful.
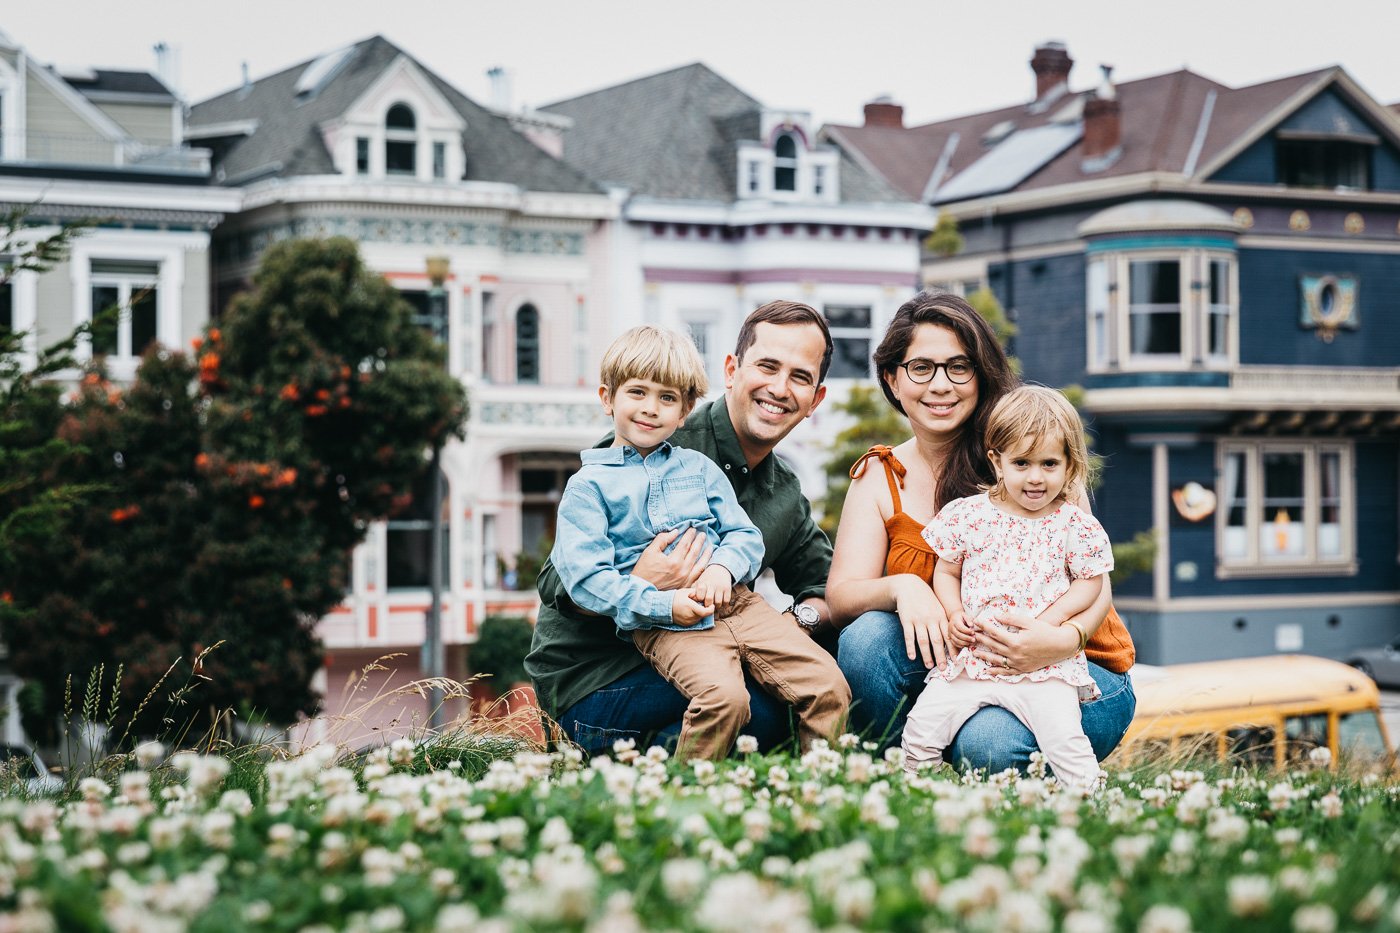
(618, 502)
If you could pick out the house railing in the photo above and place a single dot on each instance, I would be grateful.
(99, 151)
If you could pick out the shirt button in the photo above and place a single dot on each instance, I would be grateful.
(743, 469)
(726, 466)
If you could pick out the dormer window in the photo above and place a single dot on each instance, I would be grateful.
(785, 163)
(400, 141)
(1324, 163)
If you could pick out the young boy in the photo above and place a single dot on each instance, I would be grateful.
(703, 638)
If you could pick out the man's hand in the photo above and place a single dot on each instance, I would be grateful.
(681, 567)
(685, 610)
(923, 621)
(715, 587)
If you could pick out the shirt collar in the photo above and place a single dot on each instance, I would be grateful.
(617, 456)
(731, 455)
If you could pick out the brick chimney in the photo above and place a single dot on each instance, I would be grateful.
(884, 112)
(1103, 123)
(1051, 64)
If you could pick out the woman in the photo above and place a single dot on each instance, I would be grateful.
(941, 367)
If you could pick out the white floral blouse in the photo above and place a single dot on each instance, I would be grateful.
(1011, 562)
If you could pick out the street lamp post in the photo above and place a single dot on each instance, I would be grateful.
(434, 654)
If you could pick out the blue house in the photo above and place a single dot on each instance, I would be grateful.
(1219, 269)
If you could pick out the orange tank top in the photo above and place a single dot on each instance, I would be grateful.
(1111, 647)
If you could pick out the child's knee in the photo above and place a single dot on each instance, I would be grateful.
(729, 701)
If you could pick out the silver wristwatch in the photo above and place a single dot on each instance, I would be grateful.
(807, 616)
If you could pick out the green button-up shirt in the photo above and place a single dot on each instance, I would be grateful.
(574, 654)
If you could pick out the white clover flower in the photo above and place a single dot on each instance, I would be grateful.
(257, 912)
(1320, 756)
(1295, 881)
(625, 750)
(847, 740)
(1281, 795)
(456, 918)
(1288, 837)
(746, 745)
(1331, 805)
(236, 802)
(855, 900)
(1086, 921)
(1249, 895)
(1164, 918)
(1314, 918)
(682, 879)
(1022, 912)
(216, 829)
(979, 839)
(387, 919)
(94, 790)
(149, 754)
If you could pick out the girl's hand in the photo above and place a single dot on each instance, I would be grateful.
(1029, 645)
(961, 632)
(923, 621)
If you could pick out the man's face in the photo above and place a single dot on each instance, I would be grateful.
(775, 386)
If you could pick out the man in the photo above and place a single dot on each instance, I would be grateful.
(596, 685)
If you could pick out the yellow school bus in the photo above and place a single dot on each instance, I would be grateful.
(1270, 710)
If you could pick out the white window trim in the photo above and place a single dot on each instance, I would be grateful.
(1310, 564)
(170, 282)
(1194, 269)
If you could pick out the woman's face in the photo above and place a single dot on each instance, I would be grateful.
(939, 407)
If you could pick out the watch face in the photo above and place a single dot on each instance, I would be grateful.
(806, 615)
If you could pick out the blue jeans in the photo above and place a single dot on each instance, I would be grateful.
(643, 706)
(885, 683)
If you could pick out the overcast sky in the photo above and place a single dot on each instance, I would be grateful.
(938, 59)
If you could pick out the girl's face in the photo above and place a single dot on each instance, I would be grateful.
(939, 407)
(1034, 477)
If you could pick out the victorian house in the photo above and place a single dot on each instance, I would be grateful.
(104, 148)
(1219, 269)
(455, 205)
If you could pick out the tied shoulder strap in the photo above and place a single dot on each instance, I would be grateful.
(894, 470)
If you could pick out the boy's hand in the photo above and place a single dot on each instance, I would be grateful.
(961, 632)
(685, 610)
(715, 587)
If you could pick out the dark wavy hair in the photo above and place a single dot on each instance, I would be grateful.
(967, 469)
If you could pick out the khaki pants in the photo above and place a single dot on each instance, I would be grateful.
(708, 667)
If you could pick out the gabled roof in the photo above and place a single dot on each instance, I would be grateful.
(673, 135)
(1177, 122)
(286, 136)
(104, 81)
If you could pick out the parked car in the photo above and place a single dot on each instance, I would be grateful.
(28, 767)
(1380, 664)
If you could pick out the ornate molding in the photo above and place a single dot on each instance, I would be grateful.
(539, 414)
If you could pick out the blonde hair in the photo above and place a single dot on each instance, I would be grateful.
(661, 356)
(1030, 414)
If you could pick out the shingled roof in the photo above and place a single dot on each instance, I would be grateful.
(1161, 118)
(105, 81)
(286, 140)
(672, 135)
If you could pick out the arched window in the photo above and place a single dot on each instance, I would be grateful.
(400, 141)
(527, 344)
(785, 163)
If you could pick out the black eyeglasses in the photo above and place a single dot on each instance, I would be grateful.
(959, 370)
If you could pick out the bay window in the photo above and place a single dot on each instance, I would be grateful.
(1160, 309)
(1285, 505)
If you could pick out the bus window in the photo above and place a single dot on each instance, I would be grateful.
(1303, 734)
(1253, 746)
(1359, 736)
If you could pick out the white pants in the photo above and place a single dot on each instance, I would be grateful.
(1050, 709)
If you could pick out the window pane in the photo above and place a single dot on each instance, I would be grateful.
(527, 344)
(362, 155)
(1281, 534)
(847, 316)
(439, 160)
(1218, 336)
(1329, 529)
(850, 358)
(1154, 289)
(400, 157)
(400, 117)
(143, 319)
(1098, 313)
(1234, 486)
(1359, 735)
(784, 179)
(105, 320)
(1304, 733)
(785, 148)
(7, 309)
(410, 536)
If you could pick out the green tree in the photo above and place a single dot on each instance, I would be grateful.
(873, 422)
(232, 485)
(945, 240)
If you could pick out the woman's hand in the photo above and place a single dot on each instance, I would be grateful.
(923, 620)
(680, 568)
(1028, 645)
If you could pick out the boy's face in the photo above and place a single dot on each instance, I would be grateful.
(644, 413)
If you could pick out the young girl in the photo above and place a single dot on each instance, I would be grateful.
(1021, 545)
